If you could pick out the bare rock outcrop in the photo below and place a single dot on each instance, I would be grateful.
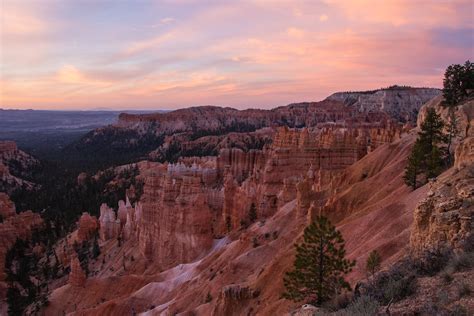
(401, 103)
(444, 217)
(464, 113)
(16, 168)
(7, 207)
(171, 231)
(77, 276)
(464, 154)
(109, 223)
(87, 227)
(232, 300)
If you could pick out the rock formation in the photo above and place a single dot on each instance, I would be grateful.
(402, 103)
(190, 233)
(77, 276)
(87, 227)
(16, 168)
(109, 225)
(464, 154)
(445, 217)
(170, 231)
(7, 207)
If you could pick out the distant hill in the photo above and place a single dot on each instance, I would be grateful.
(45, 133)
(133, 136)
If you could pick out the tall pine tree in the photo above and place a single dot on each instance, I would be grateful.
(426, 157)
(414, 167)
(431, 137)
(320, 265)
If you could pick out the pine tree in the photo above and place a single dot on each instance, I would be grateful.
(426, 156)
(228, 223)
(373, 262)
(431, 137)
(458, 79)
(319, 266)
(252, 213)
(414, 166)
(95, 248)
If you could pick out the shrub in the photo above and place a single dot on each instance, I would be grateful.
(459, 310)
(429, 308)
(397, 289)
(362, 306)
(464, 289)
(255, 242)
(393, 285)
(373, 262)
(468, 244)
(460, 262)
(431, 262)
(447, 277)
(338, 302)
(442, 297)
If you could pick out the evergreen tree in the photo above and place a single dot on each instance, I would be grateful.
(319, 266)
(431, 137)
(95, 248)
(426, 156)
(414, 166)
(252, 213)
(373, 262)
(458, 80)
(228, 223)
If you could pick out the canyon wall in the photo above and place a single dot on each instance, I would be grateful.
(186, 205)
(445, 217)
(197, 249)
(401, 103)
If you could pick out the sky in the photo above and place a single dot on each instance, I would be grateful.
(168, 54)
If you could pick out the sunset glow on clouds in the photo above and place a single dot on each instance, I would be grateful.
(168, 54)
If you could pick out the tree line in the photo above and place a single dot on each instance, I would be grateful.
(432, 151)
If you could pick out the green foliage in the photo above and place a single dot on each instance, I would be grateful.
(414, 166)
(320, 265)
(208, 297)
(252, 213)
(464, 289)
(60, 191)
(461, 262)
(426, 156)
(101, 149)
(459, 310)
(228, 223)
(95, 248)
(373, 262)
(19, 266)
(458, 79)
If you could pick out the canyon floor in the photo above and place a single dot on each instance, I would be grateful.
(175, 235)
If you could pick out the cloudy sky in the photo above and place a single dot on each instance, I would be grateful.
(86, 54)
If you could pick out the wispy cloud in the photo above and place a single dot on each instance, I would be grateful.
(242, 53)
